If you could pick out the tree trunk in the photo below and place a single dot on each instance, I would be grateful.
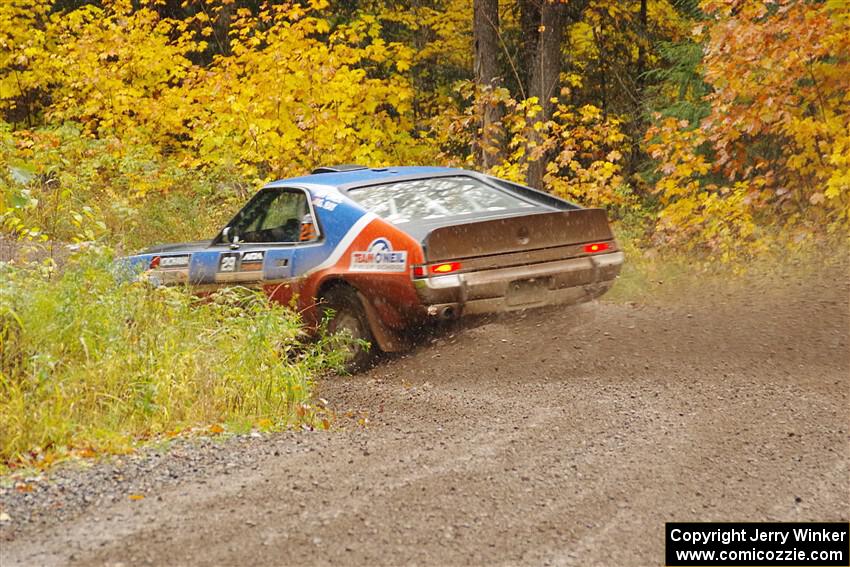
(485, 32)
(637, 120)
(545, 76)
(641, 60)
(529, 20)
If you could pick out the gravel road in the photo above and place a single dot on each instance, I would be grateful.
(563, 437)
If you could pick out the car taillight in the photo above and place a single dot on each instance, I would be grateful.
(445, 268)
(435, 269)
(595, 247)
(154, 263)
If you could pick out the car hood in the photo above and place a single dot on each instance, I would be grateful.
(179, 247)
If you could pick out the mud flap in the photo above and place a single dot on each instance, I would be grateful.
(387, 339)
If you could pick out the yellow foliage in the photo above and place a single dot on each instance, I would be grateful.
(291, 93)
(277, 111)
(587, 146)
(780, 79)
(695, 214)
(133, 110)
(112, 107)
(587, 166)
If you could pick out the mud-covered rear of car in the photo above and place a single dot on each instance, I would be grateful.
(491, 245)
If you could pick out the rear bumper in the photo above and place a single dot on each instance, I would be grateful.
(519, 287)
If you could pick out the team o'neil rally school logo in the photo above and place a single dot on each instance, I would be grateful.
(380, 257)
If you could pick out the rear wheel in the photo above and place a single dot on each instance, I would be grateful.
(346, 316)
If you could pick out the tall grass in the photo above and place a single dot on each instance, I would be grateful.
(89, 363)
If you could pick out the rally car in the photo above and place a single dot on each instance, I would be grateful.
(383, 251)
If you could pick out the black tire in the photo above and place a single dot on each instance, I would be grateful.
(345, 313)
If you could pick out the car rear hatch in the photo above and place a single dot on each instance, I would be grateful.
(496, 237)
(519, 260)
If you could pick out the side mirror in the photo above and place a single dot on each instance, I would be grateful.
(229, 236)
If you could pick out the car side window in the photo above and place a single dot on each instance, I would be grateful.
(276, 215)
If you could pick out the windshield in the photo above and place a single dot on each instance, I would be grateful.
(435, 198)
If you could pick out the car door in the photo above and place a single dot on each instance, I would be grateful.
(258, 247)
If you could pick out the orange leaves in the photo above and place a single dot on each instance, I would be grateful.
(696, 214)
(776, 75)
(85, 453)
(771, 152)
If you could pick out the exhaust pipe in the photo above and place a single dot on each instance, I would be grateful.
(445, 312)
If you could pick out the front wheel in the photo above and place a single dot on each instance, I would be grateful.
(345, 314)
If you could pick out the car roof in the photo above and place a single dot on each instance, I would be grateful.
(365, 176)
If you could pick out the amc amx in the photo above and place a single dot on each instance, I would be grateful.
(384, 251)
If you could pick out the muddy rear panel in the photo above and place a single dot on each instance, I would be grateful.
(518, 234)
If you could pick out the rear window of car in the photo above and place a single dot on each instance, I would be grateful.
(435, 198)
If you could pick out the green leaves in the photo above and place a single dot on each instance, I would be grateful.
(88, 363)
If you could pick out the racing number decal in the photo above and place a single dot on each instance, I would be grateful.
(251, 262)
(227, 263)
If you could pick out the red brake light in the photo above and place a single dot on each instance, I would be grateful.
(445, 268)
(154, 263)
(595, 247)
(435, 269)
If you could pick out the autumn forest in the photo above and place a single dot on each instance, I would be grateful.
(720, 127)
(711, 131)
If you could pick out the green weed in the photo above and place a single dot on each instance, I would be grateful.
(90, 365)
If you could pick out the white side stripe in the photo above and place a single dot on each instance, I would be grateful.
(343, 245)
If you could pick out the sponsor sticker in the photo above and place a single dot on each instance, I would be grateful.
(328, 201)
(252, 261)
(380, 257)
(174, 261)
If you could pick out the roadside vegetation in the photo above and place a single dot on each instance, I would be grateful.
(91, 365)
(713, 132)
